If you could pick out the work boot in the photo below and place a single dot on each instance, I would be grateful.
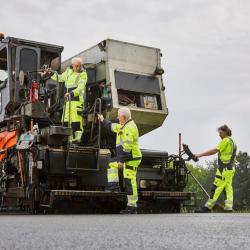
(113, 187)
(129, 210)
(203, 210)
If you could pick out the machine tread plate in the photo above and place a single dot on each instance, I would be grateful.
(168, 194)
(85, 193)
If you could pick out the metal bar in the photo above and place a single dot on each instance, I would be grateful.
(99, 124)
(85, 193)
(200, 185)
(179, 144)
(69, 125)
(69, 100)
(167, 193)
(63, 114)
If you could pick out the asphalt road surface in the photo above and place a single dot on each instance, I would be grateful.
(162, 231)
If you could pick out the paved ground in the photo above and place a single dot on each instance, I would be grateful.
(167, 231)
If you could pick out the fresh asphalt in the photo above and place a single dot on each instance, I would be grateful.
(159, 231)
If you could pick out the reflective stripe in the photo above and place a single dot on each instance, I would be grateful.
(113, 179)
(78, 136)
(132, 200)
(228, 205)
(112, 171)
(126, 141)
(209, 204)
(113, 175)
(121, 142)
(70, 86)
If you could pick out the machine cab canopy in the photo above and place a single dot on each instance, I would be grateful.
(21, 55)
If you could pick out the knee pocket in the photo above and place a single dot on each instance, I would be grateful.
(130, 174)
(218, 181)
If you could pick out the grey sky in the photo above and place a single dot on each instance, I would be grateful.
(205, 44)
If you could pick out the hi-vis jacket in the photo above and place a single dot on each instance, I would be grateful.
(127, 144)
(74, 83)
(227, 152)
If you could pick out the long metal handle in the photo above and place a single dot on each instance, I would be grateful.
(63, 114)
(68, 144)
(69, 100)
(200, 185)
(180, 145)
(99, 123)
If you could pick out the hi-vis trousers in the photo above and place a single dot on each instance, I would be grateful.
(222, 182)
(76, 120)
(129, 175)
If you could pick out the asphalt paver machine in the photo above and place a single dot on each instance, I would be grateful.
(40, 171)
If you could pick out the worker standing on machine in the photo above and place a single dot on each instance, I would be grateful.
(75, 79)
(226, 150)
(128, 157)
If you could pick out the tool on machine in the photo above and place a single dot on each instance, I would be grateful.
(191, 156)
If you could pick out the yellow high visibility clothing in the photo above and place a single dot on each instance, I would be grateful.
(75, 85)
(128, 152)
(224, 174)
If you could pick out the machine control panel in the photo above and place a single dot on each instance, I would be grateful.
(25, 141)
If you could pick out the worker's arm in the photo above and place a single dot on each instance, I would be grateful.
(208, 153)
(105, 122)
(108, 124)
(81, 85)
(60, 77)
(122, 155)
